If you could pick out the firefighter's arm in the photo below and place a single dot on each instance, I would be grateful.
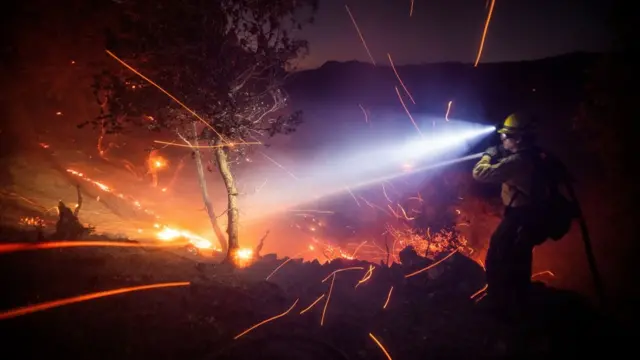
(500, 172)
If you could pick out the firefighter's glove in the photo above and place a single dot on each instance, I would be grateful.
(492, 152)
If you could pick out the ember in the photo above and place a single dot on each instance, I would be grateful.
(32, 221)
(430, 244)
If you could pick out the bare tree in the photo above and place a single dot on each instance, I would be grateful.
(222, 65)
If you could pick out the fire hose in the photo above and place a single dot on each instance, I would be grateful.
(586, 239)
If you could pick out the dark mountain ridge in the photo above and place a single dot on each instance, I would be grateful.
(488, 91)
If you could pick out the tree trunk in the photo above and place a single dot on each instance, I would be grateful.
(233, 215)
(205, 194)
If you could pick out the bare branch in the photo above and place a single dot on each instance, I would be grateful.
(76, 211)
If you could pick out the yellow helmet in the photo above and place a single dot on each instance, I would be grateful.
(517, 124)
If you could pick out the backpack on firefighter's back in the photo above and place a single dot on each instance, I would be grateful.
(556, 211)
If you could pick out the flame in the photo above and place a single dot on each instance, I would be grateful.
(158, 162)
(243, 257)
(170, 234)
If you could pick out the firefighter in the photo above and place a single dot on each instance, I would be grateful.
(510, 254)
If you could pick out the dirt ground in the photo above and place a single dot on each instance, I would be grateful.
(429, 315)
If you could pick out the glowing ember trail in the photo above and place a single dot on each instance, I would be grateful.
(384, 191)
(57, 303)
(341, 270)
(408, 113)
(411, 9)
(546, 272)
(432, 265)
(326, 303)
(358, 248)
(446, 116)
(102, 186)
(366, 117)
(312, 304)
(107, 189)
(479, 292)
(278, 268)
(353, 20)
(205, 146)
(388, 298)
(266, 321)
(380, 346)
(165, 92)
(484, 33)
(279, 165)
(286, 261)
(14, 247)
(352, 195)
(399, 79)
(366, 276)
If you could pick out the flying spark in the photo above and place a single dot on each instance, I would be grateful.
(266, 321)
(312, 304)
(353, 196)
(446, 116)
(384, 191)
(432, 265)
(165, 92)
(399, 79)
(205, 146)
(408, 113)
(57, 303)
(484, 33)
(366, 276)
(479, 292)
(388, 298)
(280, 166)
(285, 262)
(326, 303)
(353, 20)
(546, 272)
(411, 9)
(358, 248)
(366, 117)
(341, 270)
(380, 346)
(14, 247)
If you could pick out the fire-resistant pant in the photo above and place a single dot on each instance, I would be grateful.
(510, 255)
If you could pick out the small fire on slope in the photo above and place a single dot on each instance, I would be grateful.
(170, 234)
(242, 257)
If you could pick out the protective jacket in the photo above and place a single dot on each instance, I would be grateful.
(514, 172)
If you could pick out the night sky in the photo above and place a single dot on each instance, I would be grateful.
(450, 30)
